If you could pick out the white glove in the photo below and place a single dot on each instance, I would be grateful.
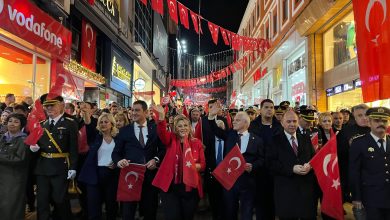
(34, 148)
(71, 174)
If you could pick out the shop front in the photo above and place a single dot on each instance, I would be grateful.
(33, 47)
(143, 85)
(296, 83)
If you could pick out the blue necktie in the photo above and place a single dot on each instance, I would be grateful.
(219, 153)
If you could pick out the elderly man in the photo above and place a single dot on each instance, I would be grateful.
(294, 182)
(368, 167)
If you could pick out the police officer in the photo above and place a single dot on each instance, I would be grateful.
(369, 167)
(279, 111)
(57, 162)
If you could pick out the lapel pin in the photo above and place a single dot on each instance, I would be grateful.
(371, 149)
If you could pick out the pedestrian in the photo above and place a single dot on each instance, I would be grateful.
(121, 120)
(3, 121)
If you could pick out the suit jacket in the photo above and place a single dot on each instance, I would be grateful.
(369, 172)
(128, 147)
(65, 134)
(294, 194)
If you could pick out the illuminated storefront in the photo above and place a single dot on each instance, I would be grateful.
(297, 77)
(32, 47)
(143, 85)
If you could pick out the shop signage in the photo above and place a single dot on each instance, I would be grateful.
(30, 23)
(120, 72)
(329, 92)
(348, 86)
(357, 83)
(160, 41)
(139, 84)
(338, 89)
(343, 88)
(298, 89)
(159, 77)
(109, 8)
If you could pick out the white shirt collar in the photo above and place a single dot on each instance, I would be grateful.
(245, 133)
(144, 124)
(289, 135)
(56, 118)
(376, 138)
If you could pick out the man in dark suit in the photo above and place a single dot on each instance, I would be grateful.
(294, 182)
(243, 191)
(369, 170)
(57, 162)
(138, 143)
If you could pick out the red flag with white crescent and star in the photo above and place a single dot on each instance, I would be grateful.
(196, 22)
(190, 174)
(130, 183)
(213, 31)
(326, 167)
(230, 169)
(33, 123)
(183, 14)
(372, 46)
(88, 46)
(314, 142)
(224, 36)
(158, 6)
(172, 8)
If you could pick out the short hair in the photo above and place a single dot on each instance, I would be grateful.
(212, 101)
(181, 118)
(360, 106)
(9, 95)
(123, 116)
(20, 117)
(21, 107)
(266, 100)
(290, 111)
(323, 115)
(110, 117)
(142, 103)
(70, 105)
(245, 116)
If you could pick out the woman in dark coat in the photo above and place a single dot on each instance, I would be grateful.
(14, 160)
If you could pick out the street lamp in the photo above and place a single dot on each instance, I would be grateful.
(183, 42)
(199, 59)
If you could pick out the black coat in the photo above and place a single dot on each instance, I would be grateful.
(294, 194)
(65, 134)
(369, 172)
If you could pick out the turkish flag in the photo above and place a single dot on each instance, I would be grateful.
(145, 2)
(196, 22)
(183, 13)
(326, 168)
(231, 167)
(373, 47)
(198, 130)
(130, 183)
(190, 174)
(88, 46)
(185, 112)
(229, 120)
(82, 140)
(172, 8)
(158, 6)
(214, 31)
(314, 142)
(33, 123)
(224, 36)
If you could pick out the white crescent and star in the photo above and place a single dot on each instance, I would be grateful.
(88, 27)
(369, 9)
(131, 173)
(238, 162)
(64, 77)
(325, 164)
(187, 150)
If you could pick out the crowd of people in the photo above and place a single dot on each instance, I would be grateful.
(83, 148)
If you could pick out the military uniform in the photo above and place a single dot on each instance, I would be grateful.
(369, 171)
(53, 165)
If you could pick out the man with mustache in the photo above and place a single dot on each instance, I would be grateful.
(369, 170)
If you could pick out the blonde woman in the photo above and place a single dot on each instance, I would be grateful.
(179, 198)
(325, 126)
(121, 120)
(99, 172)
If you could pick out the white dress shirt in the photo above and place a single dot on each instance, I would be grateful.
(377, 141)
(56, 119)
(289, 137)
(216, 146)
(193, 124)
(104, 153)
(244, 141)
(144, 131)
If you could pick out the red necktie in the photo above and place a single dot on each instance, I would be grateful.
(294, 145)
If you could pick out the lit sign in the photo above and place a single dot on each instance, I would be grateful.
(358, 83)
(338, 89)
(329, 92)
(139, 84)
(109, 8)
(348, 86)
(120, 72)
(343, 88)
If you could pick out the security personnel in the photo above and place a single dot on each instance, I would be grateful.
(285, 104)
(279, 111)
(369, 167)
(57, 162)
(233, 113)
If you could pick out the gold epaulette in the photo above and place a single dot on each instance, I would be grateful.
(357, 136)
(69, 118)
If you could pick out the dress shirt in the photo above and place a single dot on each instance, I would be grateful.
(144, 131)
(104, 153)
(56, 119)
(377, 141)
(216, 146)
(289, 137)
(302, 130)
(244, 141)
(193, 124)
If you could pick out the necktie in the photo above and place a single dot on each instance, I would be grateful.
(219, 153)
(141, 136)
(381, 144)
(294, 145)
(51, 126)
(239, 140)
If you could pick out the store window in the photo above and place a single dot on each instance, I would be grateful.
(340, 43)
(17, 76)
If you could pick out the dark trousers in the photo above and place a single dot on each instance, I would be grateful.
(215, 196)
(264, 201)
(83, 196)
(53, 189)
(179, 204)
(377, 213)
(297, 218)
(147, 206)
(104, 192)
(243, 192)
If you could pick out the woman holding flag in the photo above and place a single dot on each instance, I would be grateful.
(179, 173)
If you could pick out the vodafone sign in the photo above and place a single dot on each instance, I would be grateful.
(30, 23)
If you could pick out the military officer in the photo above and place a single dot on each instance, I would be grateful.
(369, 167)
(57, 161)
(279, 111)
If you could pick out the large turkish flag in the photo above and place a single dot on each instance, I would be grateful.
(172, 8)
(130, 183)
(231, 167)
(33, 123)
(190, 174)
(183, 13)
(372, 19)
(326, 168)
(88, 46)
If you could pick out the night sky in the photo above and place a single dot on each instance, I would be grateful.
(225, 13)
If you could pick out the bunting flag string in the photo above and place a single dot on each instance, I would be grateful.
(190, 90)
(177, 10)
